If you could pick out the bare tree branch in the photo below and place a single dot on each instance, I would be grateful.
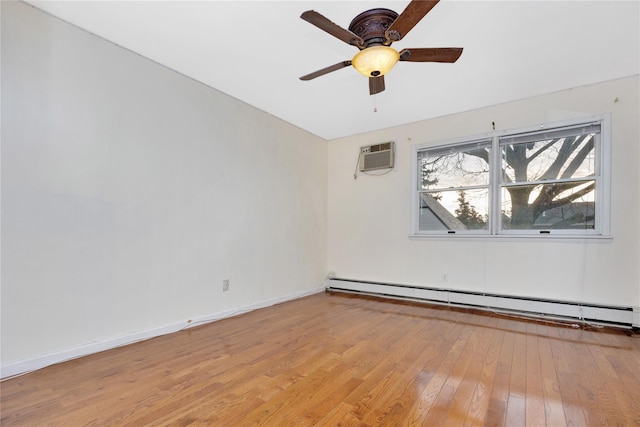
(545, 199)
(483, 153)
(570, 198)
(541, 150)
(577, 161)
(563, 154)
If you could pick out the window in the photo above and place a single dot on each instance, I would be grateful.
(549, 180)
(454, 187)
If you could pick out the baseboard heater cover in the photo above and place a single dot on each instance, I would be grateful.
(602, 314)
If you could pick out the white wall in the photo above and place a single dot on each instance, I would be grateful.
(369, 218)
(129, 192)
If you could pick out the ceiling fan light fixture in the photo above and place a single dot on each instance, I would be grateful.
(375, 61)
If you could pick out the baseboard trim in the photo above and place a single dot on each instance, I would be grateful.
(535, 307)
(25, 366)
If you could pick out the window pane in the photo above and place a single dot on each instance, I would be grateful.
(454, 167)
(565, 206)
(550, 159)
(454, 210)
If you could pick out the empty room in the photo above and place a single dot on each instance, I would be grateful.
(320, 213)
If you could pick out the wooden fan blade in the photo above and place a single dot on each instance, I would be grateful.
(326, 70)
(376, 85)
(314, 18)
(435, 54)
(412, 14)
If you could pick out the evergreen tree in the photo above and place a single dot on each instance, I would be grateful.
(467, 214)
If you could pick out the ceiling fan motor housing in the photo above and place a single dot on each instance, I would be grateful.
(371, 26)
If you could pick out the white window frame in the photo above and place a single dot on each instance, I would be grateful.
(602, 228)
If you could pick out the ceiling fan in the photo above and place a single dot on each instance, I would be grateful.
(373, 32)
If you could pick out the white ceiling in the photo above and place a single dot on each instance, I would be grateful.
(256, 50)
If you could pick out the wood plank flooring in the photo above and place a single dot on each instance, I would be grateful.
(345, 360)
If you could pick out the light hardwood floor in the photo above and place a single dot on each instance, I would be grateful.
(343, 360)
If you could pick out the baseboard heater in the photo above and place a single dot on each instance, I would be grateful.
(526, 306)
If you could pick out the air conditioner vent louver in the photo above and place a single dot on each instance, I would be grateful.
(378, 156)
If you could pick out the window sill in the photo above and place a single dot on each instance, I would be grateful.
(515, 237)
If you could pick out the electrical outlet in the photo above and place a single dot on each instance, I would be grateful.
(444, 277)
(225, 285)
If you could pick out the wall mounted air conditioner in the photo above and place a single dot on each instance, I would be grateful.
(378, 156)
